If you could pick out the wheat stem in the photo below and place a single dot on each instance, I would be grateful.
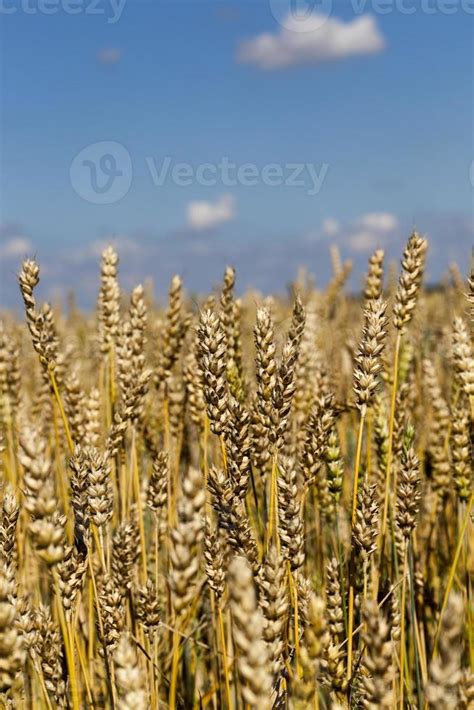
(402, 624)
(174, 669)
(61, 408)
(452, 571)
(390, 444)
(224, 654)
(353, 518)
(68, 644)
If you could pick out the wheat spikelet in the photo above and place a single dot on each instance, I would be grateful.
(28, 279)
(466, 690)
(129, 409)
(461, 449)
(212, 364)
(333, 662)
(148, 607)
(238, 444)
(318, 429)
(71, 572)
(79, 496)
(75, 406)
(368, 359)
(410, 279)
(92, 423)
(99, 489)
(365, 530)
(313, 649)
(231, 516)
(25, 623)
(8, 523)
(273, 601)
(124, 357)
(439, 427)
(196, 401)
(47, 526)
(377, 660)
(290, 522)
(373, 285)
(185, 536)
(130, 678)
(138, 315)
(230, 321)
(176, 393)
(335, 464)
(248, 637)
(125, 552)
(463, 357)
(108, 304)
(395, 616)
(47, 650)
(5, 408)
(174, 332)
(263, 425)
(112, 613)
(408, 491)
(284, 388)
(215, 559)
(157, 489)
(12, 654)
(443, 687)
(470, 294)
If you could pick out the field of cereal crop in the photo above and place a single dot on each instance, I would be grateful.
(240, 502)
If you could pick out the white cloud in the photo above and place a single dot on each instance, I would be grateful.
(364, 241)
(379, 221)
(15, 247)
(207, 215)
(312, 41)
(330, 227)
(365, 233)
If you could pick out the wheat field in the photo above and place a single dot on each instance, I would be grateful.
(240, 502)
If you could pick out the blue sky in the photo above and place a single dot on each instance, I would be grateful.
(379, 104)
